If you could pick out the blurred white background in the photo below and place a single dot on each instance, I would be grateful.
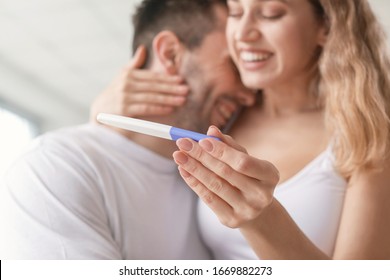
(57, 55)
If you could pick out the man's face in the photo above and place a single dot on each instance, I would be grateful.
(216, 89)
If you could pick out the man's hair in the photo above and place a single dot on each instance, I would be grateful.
(190, 20)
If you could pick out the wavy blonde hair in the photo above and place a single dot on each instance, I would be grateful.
(354, 79)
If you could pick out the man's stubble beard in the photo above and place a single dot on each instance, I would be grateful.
(192, 115)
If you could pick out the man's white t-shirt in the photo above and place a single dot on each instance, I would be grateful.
(87, 192)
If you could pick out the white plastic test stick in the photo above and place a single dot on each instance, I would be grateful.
(150, 128)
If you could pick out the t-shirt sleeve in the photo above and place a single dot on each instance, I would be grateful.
(52, 208)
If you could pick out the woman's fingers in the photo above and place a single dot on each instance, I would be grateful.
(154, 99)
(143, 75)
(229, 152)
(137, 110)
(140, 93)
(238, 160)
(214, 131)
(163, 87)
(141, 79)
(219, 185)
(203, 174)
(222, 209)
(225, 177)
(247, 195)
(219, 168)
(218, 197)
(138, 59)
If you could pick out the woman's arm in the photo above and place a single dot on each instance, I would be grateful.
(364, 231)
(239, 189)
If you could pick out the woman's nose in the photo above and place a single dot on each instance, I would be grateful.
(246, 29)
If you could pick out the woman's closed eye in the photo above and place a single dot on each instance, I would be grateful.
(271, 13)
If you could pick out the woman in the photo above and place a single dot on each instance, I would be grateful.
(315, 185)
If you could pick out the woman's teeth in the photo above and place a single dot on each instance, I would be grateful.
(254, 57)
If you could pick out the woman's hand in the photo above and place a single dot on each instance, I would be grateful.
(138, 93)
(235, 185)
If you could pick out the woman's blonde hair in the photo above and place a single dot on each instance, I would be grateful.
(355, 80)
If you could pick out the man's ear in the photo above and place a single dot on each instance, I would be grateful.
(168, 51)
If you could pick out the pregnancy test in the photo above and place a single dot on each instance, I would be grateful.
(150, 128)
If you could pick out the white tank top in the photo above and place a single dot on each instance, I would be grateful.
(313, 197)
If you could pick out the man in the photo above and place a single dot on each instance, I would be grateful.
(94, 192)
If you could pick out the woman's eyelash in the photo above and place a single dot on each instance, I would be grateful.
(272, 17)
(235, 15)
(266, 12)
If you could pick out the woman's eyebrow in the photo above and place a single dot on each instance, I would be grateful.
(283, 1)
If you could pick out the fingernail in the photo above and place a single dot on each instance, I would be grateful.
(206, 145)
(213, 127)
(184, 144)
(180, 158)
